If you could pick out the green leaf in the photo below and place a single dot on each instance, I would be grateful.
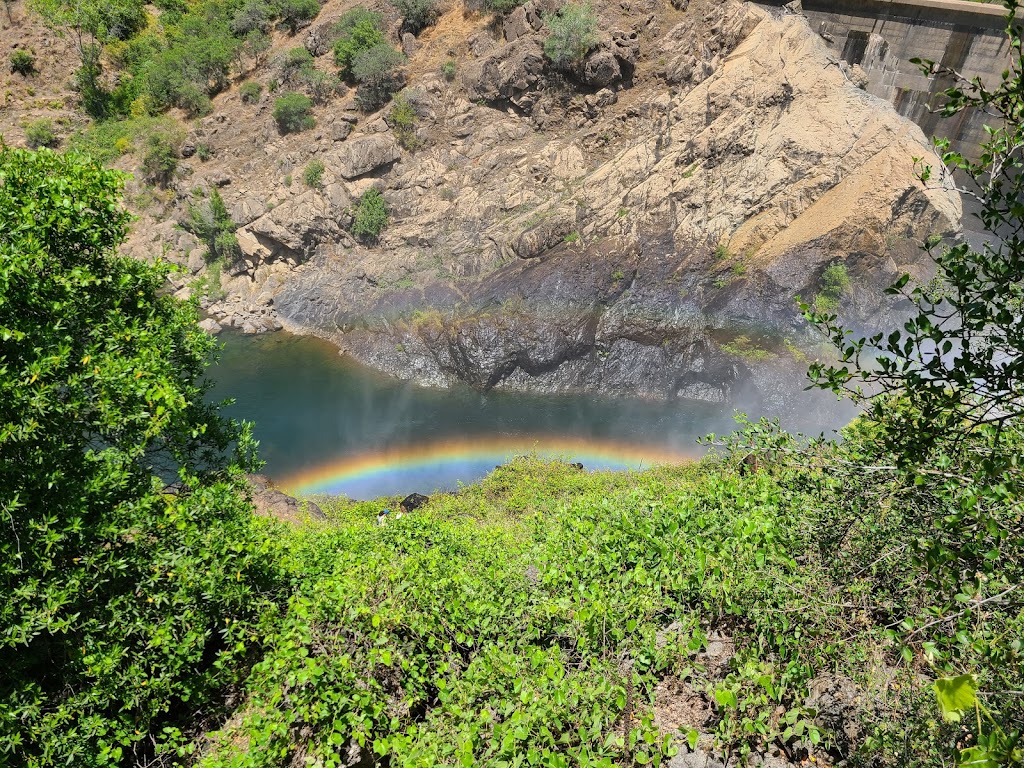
(956, 695)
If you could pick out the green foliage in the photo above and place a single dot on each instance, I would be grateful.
(127, 608)
(108, 140)
(23, 62)
(103, 20)
(292, 113)
(746, 348)
(943, 399)
(500, 7)
(417, 14)
(402, 118)
(448, 70)
(249, 92)
(379, 74)
(160, 160)
(41, 133)
(371, 216)
(297, 13)
(252, 16)
(835, 281)
(571, 33)
(212, 224)
(320, 86)
(313, 174)
(358, 30)
(293, 63)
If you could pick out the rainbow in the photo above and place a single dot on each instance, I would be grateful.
(443, 464)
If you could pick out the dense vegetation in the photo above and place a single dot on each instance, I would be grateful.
(128, 606)
(546, 616)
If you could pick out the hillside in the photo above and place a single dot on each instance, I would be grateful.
(615, 228)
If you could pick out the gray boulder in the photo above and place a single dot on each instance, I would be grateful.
(365, 154)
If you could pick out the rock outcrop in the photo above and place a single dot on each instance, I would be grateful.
(641, 224)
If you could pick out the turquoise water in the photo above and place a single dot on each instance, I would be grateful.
(329, 425)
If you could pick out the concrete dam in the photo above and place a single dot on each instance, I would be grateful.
(881, 36)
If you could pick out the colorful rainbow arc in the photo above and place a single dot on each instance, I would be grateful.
(329, 477)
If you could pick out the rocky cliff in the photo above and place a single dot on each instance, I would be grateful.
(640, 224)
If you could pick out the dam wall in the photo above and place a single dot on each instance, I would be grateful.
(881, 36)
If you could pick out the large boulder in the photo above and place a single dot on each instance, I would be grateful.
(511, 72)
(364, 154)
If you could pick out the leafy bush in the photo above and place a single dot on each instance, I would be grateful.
(358, 30)
(313, 174)
(293, 63)
(160, 160)
(41, 133)
(835, 281)
(497, 7)
(296, 13)
(571, 33)
(379, 74)
(212, 224)
(129, 606)
(106, 141)
(292, 113)
(417, 14)
(448, 70)
(249, 92)
(371, 216)
(23, 62)
(252, 16)
(256, 45)
(402, 118)
(321, 86)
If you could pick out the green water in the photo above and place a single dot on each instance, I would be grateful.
(316, 411)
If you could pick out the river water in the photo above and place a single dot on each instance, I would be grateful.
(329, 425)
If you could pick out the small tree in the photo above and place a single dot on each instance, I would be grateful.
(572, 32)
(371, 216)
(379, 74)
(321, 86)
(297, 13)
(253, 16)
(211, 223)
(418, 14)
(402, 118)
(256, 45)
(292, 113)
(358, 30)
(23, 62)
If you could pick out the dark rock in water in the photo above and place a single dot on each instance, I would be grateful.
(413, 501)
(270, 502)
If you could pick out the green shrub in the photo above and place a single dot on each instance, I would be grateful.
(23, 62)
(501, 7)
(41, 133)
(253, 16)
(371, 216)
(160, 160)
(256, 45)
(293, 63)
(448, 70)
(403, 121)
(210, 221)
(129, 606)
(320, 86)
(250, 92)
(194, 100)
(835, 281)
(417, 14)
(108, 140)
(292, 113)
(379, 74)
(358, 30)
(296, 13)
(313, 174)
(571, 33)
(204, 152)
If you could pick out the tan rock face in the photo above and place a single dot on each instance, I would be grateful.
(717, 163)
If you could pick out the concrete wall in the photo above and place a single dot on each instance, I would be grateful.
(881, 36)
